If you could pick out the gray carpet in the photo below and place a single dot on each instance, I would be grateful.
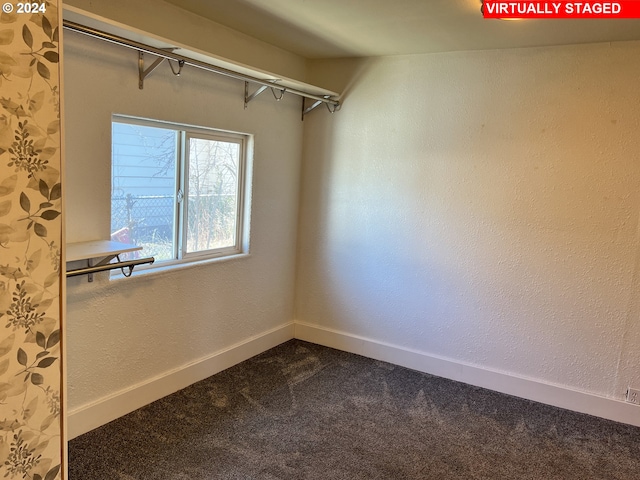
(302, 411)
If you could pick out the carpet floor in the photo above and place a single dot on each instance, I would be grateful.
(303, 411)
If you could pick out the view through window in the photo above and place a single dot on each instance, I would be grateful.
(177, 191)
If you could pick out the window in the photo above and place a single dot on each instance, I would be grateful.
(177, 191)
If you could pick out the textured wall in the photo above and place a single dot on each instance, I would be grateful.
(482, 207)
(128, 331)
(30, 246)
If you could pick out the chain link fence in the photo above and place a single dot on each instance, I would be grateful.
(147, 221)
(142, 219)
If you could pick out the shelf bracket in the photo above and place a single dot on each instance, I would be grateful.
(91, 266)
(142, 73)
(248, 97)
(316, 104)
(89, 275)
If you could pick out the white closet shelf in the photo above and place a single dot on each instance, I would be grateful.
(106, 250)
(84, 22)
(97, 249)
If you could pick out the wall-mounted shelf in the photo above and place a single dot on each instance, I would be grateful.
(81, 21)
(98, 249)
(99, 253)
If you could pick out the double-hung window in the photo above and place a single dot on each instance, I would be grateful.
(177, 191)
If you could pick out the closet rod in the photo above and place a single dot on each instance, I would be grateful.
(110, 266)
(92, 32)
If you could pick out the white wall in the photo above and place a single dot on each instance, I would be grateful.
(480, 209)
(128, 333)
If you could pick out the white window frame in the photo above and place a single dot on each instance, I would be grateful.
(184, 133)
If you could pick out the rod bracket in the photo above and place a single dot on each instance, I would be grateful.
(282, 92)
(248, 97)
(144, 73)
(332, 105)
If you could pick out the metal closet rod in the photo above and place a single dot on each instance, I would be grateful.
(92, 32)
(110, 266)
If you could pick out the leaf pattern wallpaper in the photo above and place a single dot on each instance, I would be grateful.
(30, 245)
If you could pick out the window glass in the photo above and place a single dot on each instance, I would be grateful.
(212, 210)
(176, 191)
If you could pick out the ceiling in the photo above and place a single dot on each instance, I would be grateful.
(363, 28)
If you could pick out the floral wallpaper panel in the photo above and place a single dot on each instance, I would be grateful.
(30, 242)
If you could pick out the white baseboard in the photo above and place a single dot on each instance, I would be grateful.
(87, 417)
(558, 396)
